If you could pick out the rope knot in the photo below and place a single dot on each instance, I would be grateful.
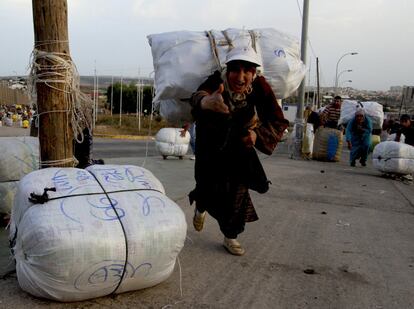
(41, 199)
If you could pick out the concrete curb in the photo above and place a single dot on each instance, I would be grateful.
(130, 137)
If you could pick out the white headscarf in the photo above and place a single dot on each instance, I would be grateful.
(360, 111)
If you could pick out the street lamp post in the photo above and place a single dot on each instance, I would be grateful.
(342, 83)
(344, 71)
(345, 81)
(337, 64)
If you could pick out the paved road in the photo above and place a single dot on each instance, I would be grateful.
(329, 236)
(115, 148)
(103, 147)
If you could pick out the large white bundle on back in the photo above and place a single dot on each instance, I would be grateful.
(74, 247)
(373, 109)
(394, 157)
(184, 59)
(175, 111)
(169, 142)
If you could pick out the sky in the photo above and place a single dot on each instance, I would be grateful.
(111, 35)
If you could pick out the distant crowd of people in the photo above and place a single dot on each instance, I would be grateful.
(20, 115)
(359, 129)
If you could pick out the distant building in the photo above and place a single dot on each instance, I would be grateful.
(396, 90)
(408, 97)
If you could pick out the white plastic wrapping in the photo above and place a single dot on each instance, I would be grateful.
(373, 109)
(184, 59)
(8, 122)
(75, 248)
(169, 142)
(307, 142)
(7, 192)
(174, 111)
(394, 157)
(308, 137)
(393, 136)
(18, 157)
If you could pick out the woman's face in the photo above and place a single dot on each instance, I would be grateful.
(240, 76)
(359, 118)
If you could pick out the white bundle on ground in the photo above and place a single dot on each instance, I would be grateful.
(373, 109)
(394, 157)
(169, 142)
(19, 156)
(7, 192)
(8, 122)
(307, 142)
(75, 246)
(393, 136)
(184, 59)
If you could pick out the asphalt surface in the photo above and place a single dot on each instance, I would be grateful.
(329, 236)
(116, 148)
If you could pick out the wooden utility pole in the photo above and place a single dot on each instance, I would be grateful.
(50, 19)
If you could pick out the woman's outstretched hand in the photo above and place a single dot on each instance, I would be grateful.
(215, 101)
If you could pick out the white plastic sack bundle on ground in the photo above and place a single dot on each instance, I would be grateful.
(8, 122)
(7, 192)
(184, 59)
(393, 136)
(19, 156)
(169, 142)
(394, 157)
(373, 109)
(74, 247)
(307, 142)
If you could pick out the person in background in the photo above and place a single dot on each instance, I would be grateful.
(312, 117)
(406, 128)
(330, 115)
(358, 137)
(235, 111)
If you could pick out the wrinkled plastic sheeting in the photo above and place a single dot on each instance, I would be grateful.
(19, 156)
(169, 142)
(176, 112)
(184, 59)
(394, 157)
(74, 248)
(7, 192)
(307, 141)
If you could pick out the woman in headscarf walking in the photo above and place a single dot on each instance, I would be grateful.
(235, 110)
(358, 137)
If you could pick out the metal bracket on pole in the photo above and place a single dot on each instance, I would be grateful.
(296, 151)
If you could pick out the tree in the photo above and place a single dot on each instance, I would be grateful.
(129, 98)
